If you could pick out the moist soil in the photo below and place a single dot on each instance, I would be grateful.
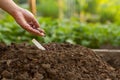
(58, 62)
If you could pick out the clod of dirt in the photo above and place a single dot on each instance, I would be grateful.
(57, 62)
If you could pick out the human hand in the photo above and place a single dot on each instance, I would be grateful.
(28, 22)
(23, 17)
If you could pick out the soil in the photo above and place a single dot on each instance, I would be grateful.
(113, 59)
(58, 62)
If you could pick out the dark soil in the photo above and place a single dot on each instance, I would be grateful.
(57, 62)
(113, 59)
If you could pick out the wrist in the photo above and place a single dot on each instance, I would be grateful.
(15, 11)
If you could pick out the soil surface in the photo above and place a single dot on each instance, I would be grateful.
(57, 62)
(113, 59)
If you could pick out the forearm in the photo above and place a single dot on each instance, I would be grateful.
(9, 6)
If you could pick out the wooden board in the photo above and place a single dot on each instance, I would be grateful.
(32, 4)
(105, 51)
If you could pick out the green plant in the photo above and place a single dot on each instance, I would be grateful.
(48, 8)
(91, 35)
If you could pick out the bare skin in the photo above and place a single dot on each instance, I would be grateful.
(23, 17)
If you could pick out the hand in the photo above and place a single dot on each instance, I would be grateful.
(27, 21)
(23, 17)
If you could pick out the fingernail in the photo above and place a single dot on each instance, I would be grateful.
(42, 34)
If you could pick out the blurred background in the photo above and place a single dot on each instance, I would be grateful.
(91, 23)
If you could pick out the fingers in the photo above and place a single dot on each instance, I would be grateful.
(35, 22)
(32, 21)
(41, 30)
(34, 26)
(33, 30)
(29, 27)
(30, 18)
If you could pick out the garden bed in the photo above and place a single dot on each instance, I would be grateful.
(57, 62)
